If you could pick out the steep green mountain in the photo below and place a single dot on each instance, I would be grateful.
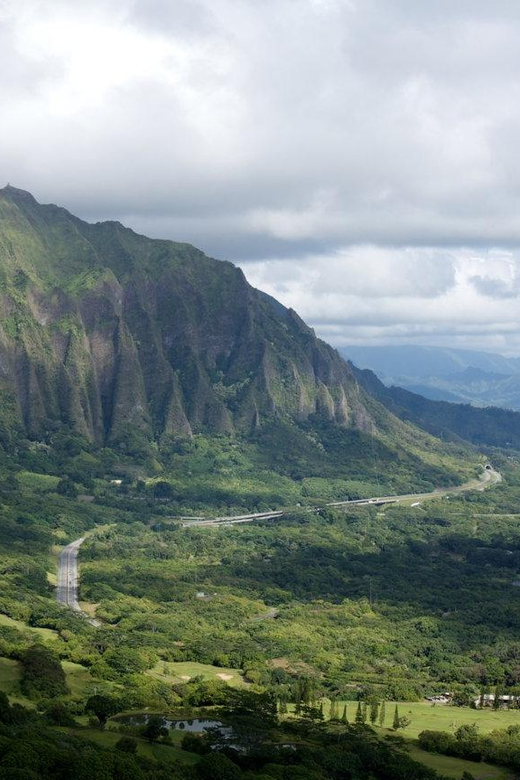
(109, 332)
(127, 340)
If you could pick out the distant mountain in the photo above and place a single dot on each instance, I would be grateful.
(419, 361)
(456, 375)
(490, 426)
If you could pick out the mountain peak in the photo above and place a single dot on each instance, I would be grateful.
(15, 193)
(121, 335)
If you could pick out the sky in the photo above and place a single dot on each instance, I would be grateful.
(358, 159)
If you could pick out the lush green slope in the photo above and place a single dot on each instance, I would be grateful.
(115, 334)
(132, 342)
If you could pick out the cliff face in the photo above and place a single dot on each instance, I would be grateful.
(112, 334)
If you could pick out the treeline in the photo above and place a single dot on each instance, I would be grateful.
(252, 743)
(498, 747)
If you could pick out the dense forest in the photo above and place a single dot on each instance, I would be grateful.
(322, 610)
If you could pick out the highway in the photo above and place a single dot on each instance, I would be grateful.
(67, 590)
(68, 578)
(488, 475)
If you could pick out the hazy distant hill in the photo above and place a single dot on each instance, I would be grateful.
(442, 374)
(493, 426)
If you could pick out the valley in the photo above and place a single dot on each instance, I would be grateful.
(266, 537)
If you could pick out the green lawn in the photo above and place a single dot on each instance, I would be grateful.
(454, 767)
(445, 718)
(166, 754)
(183, 671)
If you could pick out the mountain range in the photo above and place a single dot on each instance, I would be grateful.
(117, 335)
(444, 374)
(131, 343)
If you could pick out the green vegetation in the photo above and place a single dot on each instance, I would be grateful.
(124, 419)
(497, 747)
(337, 604)
(449, 766)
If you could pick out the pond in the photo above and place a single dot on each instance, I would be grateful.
(195, 725)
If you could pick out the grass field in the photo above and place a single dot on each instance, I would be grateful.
(45, 634)
(454, 767)
(183, 671)
(445, 718)
(167, 754)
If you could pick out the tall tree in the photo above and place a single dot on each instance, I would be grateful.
(333, 713)
(382, 714)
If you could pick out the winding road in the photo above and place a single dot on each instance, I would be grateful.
(68, 578)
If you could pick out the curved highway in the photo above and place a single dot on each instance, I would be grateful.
(68, 578)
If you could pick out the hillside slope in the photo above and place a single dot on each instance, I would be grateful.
(130, 341)
(110, 333)
(489, 426)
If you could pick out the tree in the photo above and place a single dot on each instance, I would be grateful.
(5, 709)
(344, 718)
(66, 487)
(359, 715)
(217, 766)
(467, 731)
(155, 728)
(333, 713)
(42, 675)
(400, 721)
(126, 745)
(196, 743)
(382, 714)
(102, 706)
(374, 707)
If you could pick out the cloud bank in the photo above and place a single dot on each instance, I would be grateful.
(357, 158)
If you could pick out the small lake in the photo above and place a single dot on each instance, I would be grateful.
(195, 725)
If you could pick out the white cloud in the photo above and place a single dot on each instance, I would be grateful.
(372, 295)
(362, 145)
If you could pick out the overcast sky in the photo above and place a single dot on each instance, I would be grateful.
(357, 158)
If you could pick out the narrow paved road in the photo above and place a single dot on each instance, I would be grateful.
(67, 592)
